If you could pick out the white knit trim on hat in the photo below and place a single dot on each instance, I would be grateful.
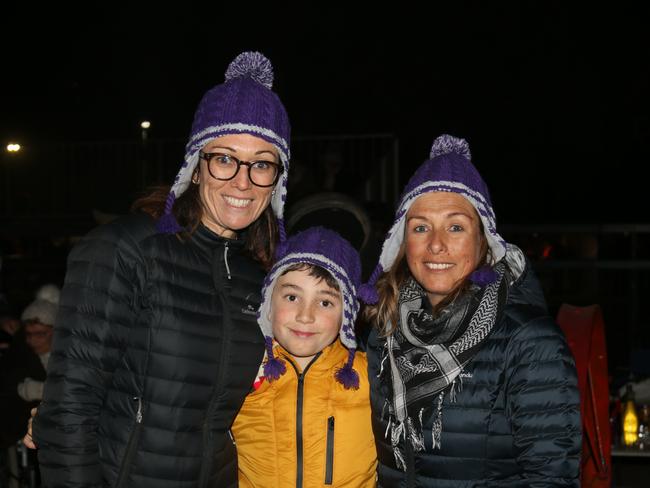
(417, 191)
(395, 238)
(348, 293)
(199, 140)
(196, 139)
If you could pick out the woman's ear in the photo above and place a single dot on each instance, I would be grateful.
(195, 176)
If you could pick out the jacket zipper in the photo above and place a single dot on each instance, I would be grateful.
(329, 458)
(131, 445)
(134, 437)
(218, 387)
(299, 408)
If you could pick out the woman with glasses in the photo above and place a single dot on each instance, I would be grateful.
(156, 342)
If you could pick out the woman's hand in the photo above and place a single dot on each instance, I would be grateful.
(27, 440)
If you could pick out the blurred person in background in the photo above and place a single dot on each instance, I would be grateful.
(23, 368)
(8, 327)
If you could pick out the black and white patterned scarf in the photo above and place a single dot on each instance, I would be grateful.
(426, 355)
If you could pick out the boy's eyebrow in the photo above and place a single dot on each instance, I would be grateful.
(324, 291)
(289, 285)
(329, 292)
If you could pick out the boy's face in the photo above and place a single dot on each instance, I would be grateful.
(305, 313)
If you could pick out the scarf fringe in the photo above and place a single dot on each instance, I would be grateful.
(381, 365)
(436, 430)
(415, 435)
(399, 459)
(398, 431)
(388, 429)
(456, 387)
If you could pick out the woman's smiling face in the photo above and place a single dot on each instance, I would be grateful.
(232, 205)
(444, 242)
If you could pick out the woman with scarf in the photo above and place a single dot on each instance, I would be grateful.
(472, 383)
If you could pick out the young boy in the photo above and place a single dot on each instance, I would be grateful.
(307, 423)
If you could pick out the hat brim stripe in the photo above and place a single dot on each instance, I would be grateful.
(198, 140)
(450, 186)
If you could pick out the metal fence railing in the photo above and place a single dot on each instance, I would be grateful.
(74, 178)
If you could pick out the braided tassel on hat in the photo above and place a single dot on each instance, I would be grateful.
(274, 367)
(167, 223)
(346, 375)
(367, 292)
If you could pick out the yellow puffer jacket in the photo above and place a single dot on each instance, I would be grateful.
(307, 430)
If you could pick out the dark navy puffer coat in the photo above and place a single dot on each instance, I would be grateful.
(156, 344)
(516, 421)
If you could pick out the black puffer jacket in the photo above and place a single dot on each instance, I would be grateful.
(516, 421)
(156, 345)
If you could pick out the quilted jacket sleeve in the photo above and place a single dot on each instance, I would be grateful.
(543, 405)
(95, 312)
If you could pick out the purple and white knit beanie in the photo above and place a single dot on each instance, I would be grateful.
(327, 249)
(243, 104)
(449, 168)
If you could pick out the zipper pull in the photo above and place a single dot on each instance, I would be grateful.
(138, 415)
(225, 258)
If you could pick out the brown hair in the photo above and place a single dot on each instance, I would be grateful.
(384, 314)
(259, 239)
(316, 272)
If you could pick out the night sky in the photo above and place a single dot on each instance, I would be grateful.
(552, 97)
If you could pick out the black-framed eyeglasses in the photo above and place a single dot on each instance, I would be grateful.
(225, 167)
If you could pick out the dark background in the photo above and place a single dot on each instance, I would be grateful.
(553, 98)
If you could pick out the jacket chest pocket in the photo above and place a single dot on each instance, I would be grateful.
(329, 452)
